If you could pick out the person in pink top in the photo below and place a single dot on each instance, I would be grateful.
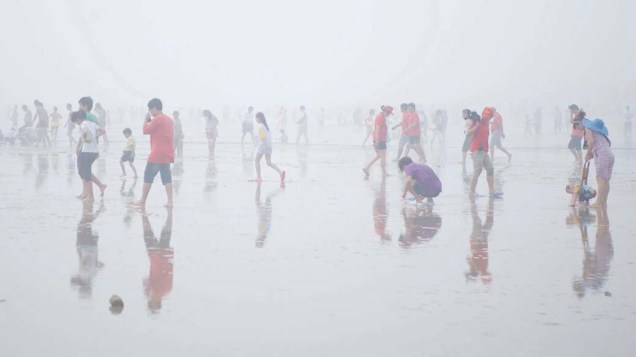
(380, 134)
(160, 128)
(497, 135)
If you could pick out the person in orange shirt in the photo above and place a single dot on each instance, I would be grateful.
(497, 135)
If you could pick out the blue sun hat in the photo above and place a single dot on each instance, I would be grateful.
(597, 125)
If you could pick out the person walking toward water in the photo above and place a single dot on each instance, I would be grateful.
(469, 121)
(87, 153)
(479, 153)
(248, 125)
(265, 149)
(497, 136)
(211, 132)
(129, 153)
(56, 122)
(303, 124)
(599, 149)
(380, 135)
(160, 128)
(178, 134)
(414, 133)
(576, 137)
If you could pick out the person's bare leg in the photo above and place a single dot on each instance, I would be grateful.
(257, 165)
(383, 162)
(132, 167)
(123, 169)
(268, 159)
(603, 192)
(144, 195)
(420, 152)
(366, 168)
(100, 184)
(491, 183)
(473, 184)
(169, 194)
(464, 159)
(88, 188)
(505, 151)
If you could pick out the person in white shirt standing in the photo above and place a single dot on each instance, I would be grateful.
(265, 149)
(87, 153)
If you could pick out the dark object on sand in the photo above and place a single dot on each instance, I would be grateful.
(608, 294)
(116, 305)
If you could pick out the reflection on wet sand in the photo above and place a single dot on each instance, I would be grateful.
(177, 173)
(210, 177)
(128, 195)
(70, 165)
(264, 214)
(596, 262)
(43, 169)
(87, 251)
(478, 258)
(303, 159)
(161, 256)
(380, 212)
(420, 225)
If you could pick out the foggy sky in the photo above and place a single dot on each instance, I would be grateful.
(318, 52)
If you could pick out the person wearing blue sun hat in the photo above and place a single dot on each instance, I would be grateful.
(599, 149)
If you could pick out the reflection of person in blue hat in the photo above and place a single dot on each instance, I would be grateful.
(599, 148)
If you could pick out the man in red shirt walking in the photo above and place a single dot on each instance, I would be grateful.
(159, 127)
(479, 153)
(497, 135)
(380, 136)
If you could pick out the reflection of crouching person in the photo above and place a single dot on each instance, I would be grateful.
(420, 181)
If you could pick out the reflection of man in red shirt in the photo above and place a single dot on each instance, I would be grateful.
(161, 255)
(478, 258)
(160, 128)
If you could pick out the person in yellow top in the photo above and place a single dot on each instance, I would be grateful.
(129, 153)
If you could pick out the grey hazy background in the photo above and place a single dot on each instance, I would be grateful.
(451, 52)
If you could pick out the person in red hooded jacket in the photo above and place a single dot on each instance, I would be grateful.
(479, 153)
(380, 134)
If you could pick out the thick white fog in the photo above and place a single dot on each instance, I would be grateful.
(451, 52)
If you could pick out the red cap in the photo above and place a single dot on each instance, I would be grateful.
(387, 108)
(487, 113)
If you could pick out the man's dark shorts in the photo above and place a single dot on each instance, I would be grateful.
(152, 170)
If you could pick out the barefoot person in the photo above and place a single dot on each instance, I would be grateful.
(469, 121)
(414, 133)
(599, 149)
(497, 135)
(479, 153)
(129, 153)
(159, 127)
(380, 134)
(211, 123)
(265, 148)
(87, 153)
(420, 181)
(576, 137)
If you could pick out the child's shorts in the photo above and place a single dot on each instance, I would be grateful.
(85, 162)
(128, 156)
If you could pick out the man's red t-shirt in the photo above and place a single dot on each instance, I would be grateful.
(161, 139)
(379, 128)
(480, 137)
(414, 124)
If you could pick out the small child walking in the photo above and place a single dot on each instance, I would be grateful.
(129, 153)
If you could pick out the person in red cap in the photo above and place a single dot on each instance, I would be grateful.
(479, 153)
(380, 132)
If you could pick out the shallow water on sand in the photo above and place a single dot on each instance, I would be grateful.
(329, 265)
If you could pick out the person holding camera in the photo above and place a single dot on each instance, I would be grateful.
(160, 128)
